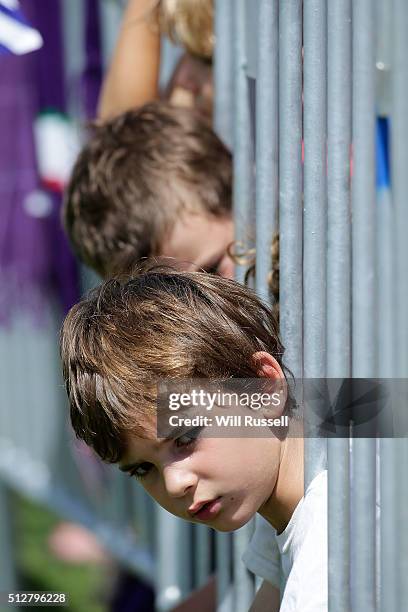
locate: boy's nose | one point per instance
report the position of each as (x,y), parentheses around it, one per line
(178,480)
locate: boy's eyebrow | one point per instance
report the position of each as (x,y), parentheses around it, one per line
(174,433)
(129,466)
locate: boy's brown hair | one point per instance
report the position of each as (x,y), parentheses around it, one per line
(131,332)
(134,177)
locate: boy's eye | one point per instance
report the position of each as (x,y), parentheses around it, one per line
(188,438)
(141,470)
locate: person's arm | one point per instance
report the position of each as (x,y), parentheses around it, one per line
(132,78)
(201,600)
(267,599)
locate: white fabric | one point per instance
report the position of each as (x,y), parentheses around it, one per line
(296,560)
(18,37)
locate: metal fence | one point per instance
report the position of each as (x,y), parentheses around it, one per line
(330,83)
(305,95)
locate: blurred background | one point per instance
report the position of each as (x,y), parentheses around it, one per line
(53,54)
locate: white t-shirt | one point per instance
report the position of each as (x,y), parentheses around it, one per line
(295,561)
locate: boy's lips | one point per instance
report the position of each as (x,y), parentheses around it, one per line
(205,510)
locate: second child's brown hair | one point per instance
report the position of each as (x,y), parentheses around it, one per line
(134,177)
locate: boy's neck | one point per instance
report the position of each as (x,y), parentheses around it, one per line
(289,488)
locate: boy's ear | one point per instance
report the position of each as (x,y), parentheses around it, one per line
(267,366)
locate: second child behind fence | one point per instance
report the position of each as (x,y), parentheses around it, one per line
(132,332)
(153,181)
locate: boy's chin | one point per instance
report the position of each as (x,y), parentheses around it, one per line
(227,524)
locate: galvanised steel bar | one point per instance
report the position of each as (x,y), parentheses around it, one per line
(244,230)
(173,578)
(338,174)
(315,192)
(243,149)
(338,288)
(399,160)
(224,26)
(385,256)
(202,554)
(399,165)
(314,213)
(390,536)
(110,19)
(402,516)
(364,330)
(225,590)
(290,181)
(73,18)
(244,583)
(223,70)
(267,143)
(8,575)
(383,60)
(363,192)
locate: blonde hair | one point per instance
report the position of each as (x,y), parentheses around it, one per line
(190,24)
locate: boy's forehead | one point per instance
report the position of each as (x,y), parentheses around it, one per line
(139,448)
(185,242)
(144,436)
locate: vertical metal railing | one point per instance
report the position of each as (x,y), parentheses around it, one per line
(267,141)
(224,73)
(290,182)
(364,353)
(339,330)
(338,288)
(243,193)
(223,70)
(399,181)
(315,214)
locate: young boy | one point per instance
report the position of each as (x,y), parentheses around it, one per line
(134,332)
(153,181)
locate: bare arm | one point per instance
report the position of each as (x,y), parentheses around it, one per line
(202,600)
(267,599)
(132,78)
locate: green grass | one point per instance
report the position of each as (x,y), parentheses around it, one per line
(39,570)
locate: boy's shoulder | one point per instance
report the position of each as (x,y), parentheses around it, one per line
(296,559)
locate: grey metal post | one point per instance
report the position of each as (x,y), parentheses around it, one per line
(225,591)
(224,26)
(223,70)
(173,560)
(243,152)
(202,557)
(399,153)
(243,219)
(399,158)
(244,586)
(339,288)
(8,578)
(363,301)
(290,177)
(390,536)
(314,214)
(383,56)
(267,151)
